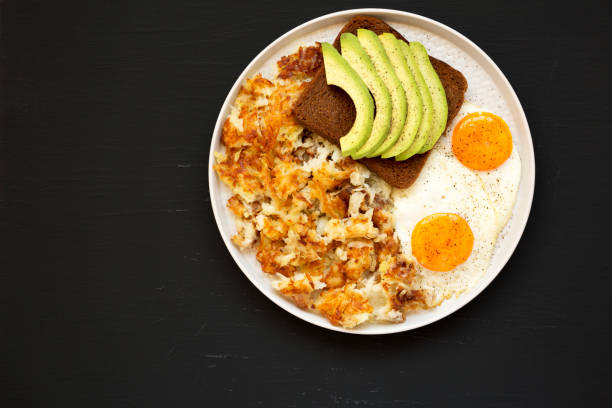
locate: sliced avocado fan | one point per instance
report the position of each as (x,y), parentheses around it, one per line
(374,48)
(438,95)
(338,72)
(425,126)
(359,60)
(413,97)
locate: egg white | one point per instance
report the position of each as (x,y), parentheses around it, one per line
(483,199)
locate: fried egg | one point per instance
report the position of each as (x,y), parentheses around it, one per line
(500,183)
(448,221)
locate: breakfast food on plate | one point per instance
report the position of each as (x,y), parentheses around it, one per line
(482,142)
(414,114)
(436,90)
(340,73)
(354,237)
(445,198)
(426,123)
(390,63)
(321,223)
(329,112)
(358,59)
(375,50)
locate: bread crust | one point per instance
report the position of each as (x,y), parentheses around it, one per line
(329,112)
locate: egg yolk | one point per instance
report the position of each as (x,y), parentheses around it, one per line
(482,141)
(442,241)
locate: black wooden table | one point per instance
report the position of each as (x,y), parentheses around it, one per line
(116,289)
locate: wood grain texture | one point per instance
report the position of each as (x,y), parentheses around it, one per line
(116,289)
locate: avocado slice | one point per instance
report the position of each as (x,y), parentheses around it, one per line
(374,48)
(360,61)
(438,95)
(338,72)
(413,97)
(427,120)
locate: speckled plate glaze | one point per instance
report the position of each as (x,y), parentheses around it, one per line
(487,87)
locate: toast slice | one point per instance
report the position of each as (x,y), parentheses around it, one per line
(329,112)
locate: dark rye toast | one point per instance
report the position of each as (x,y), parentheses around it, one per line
(329,112)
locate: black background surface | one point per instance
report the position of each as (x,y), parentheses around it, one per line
(118,291)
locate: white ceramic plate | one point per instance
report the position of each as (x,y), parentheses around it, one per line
(487,87)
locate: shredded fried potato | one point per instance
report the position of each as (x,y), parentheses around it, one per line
(320,223)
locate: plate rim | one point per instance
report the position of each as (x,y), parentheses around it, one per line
(382,328)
